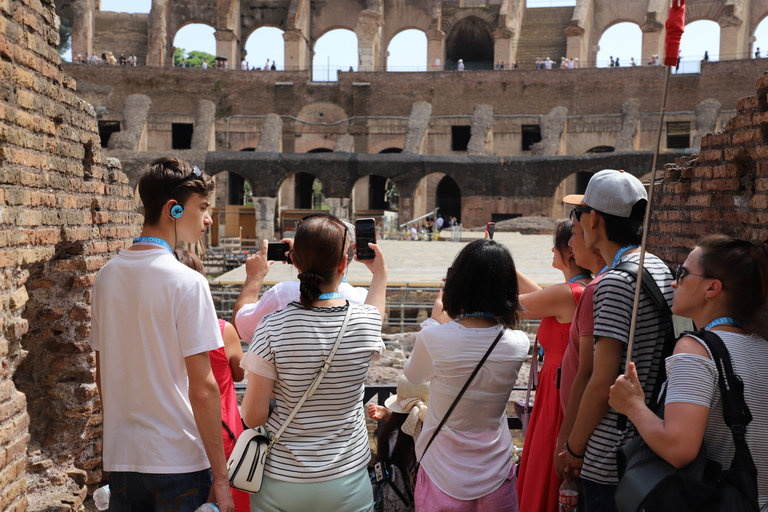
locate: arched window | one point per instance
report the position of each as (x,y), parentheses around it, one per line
(407,51)
(335,50)
(470,40)
(265,43)
(194,43)
(622,42)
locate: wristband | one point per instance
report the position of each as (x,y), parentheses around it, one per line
(568,449)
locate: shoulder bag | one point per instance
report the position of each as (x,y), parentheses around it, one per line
(651,483)
(245,466)
(523,410)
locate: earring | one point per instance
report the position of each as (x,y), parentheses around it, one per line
(706,297)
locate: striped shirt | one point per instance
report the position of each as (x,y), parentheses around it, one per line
(614,296)
(327,439)
(693,379)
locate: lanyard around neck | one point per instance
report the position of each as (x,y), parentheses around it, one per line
(580,276)
(621,252)
(153,240)
(723,320)
(329,295)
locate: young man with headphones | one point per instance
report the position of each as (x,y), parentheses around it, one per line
(153,323)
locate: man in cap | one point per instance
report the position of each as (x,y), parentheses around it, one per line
(611,214)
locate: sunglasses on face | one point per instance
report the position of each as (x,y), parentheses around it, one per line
(578,210)
(682,272)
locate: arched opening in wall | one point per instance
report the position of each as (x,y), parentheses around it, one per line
(407,51)
(759,48)
(699,37)
(265,48)
(65,43)
(374,192)
(600,149)
(194,43)
(449,198)
(336,50)
(575,183)
(320,150)
(391,150)
(233,216)
(622,45)
(470,40)
(298,191)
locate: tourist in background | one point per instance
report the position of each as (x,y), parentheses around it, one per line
(537,484)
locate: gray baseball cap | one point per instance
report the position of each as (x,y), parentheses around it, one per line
(612,192)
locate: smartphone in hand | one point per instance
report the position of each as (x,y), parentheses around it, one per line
(490,228)
(365,232)
(276,251)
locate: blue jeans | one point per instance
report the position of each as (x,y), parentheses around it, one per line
(152,492)
(599,497)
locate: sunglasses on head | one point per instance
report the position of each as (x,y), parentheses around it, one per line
(578,210)
(195,174)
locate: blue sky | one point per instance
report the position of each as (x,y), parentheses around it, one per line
(408,50)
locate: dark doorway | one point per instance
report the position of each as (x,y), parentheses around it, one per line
(106,129)
(235,188)
(377,193)
(303,190)
(531,135)
(471,40)
(460,136)
(181,135)
(391,150)
(601,149)
(449,198)
(320,150)
(679,135)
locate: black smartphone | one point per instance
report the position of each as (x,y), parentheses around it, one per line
(490,227)
(276,251)
(365,232)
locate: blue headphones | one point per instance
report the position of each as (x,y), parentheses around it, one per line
(176,211)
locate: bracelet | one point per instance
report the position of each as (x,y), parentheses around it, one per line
(568,449)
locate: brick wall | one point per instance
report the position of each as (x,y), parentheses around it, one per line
(65,210)
(724,189)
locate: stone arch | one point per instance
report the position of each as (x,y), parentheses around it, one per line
(759,35)
(470,39)
(575,183)
(300,190)
(437,190)
(391,150)
(600,149)
(320,124)
(323,68)
(172,36)
(373,192)
(607,51)
(712,11)
(388,57)
(259,53)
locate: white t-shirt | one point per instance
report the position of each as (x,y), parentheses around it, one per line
(149,312)
(471,456)
(278,297)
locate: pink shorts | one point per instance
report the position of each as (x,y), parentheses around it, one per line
(429,497)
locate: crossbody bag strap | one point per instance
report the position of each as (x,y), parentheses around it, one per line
(466,385)
(316,382)
(533,374)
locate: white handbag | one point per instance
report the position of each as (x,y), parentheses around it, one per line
(245,467)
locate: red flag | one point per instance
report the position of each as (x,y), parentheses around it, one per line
(675,24)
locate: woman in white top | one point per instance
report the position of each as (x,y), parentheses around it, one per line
(469,465)
(722,287)
(320,461)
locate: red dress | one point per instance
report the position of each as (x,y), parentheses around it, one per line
(537,485)
(230,414)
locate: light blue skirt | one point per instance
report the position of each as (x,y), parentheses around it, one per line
(351,493)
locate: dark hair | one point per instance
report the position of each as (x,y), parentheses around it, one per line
(562,235)
(623,230)
(165,179)
(742,266)
(191,260)
(403,454)
(483,278)
(318,249)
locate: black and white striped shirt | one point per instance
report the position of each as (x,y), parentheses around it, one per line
(693,379)
(614,296)
(327,439)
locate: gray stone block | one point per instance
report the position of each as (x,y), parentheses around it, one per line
(552,129)
(707,113)
(205,117)
(134,122)
(416,132)
(630,124)
(481,141)
(271,134)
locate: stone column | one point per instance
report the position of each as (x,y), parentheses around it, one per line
(653,38)
(265,217)
(204,134)
(503,37)
(368,32)
(733,40)
(406,209)
(158,44)
(481,141)
(435,49)
(339,206)
(707,113)
(133,135)
(576,43)
(296,50)
(418,125)
(82,28)
(227,46)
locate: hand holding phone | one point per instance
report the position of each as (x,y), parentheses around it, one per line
(365,232)
(490,228)
(276,251)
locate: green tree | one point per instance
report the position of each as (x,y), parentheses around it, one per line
(65,36)
(178,55)
(195,59)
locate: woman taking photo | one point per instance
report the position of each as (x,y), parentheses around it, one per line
(722,287)
(469,464)
(320,461)
(537,484)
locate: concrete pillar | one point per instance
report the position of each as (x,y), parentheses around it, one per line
(368,32)
(227,45)
(552,133)
(82,28)
(158,53)
(271,134)
(339,206)
(576,43)
(435,50)
(204,135)
(406,209)
(503,39)
(481,141)
(265,217)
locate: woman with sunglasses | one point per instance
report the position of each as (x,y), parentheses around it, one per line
(469,465)
(320,461)
(537,484)
(722,287)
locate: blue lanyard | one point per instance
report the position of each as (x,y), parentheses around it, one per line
(580,276)
(605,269)
(153,240)
(621,252)
(723,320)
(486,314)
(329,295)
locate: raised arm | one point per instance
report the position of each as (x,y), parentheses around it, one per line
(377,292)
(256,269)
